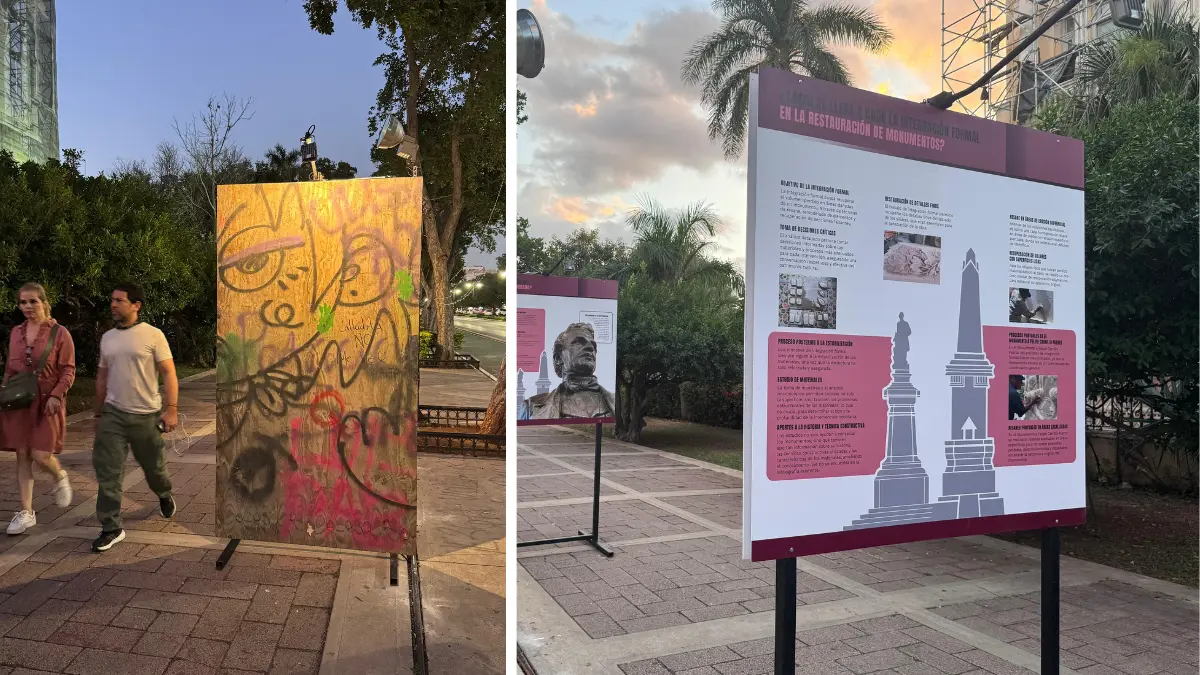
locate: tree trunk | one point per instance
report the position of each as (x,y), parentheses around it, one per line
(493,421)
(443,316)
(634,407)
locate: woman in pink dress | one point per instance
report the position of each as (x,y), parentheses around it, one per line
(36,433)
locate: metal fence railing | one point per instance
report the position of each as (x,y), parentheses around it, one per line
(1133,413)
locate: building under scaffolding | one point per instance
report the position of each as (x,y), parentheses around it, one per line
(976,39)
(28,80)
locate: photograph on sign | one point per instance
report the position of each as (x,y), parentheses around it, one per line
(317,354)
(889,395)
(566,351)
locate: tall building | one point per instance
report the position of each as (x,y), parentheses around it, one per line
(985,30)
(28,80)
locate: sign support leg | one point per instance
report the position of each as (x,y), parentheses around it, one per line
(592,537)
(1050,601)
(223,559)
(785,616)
(416,615)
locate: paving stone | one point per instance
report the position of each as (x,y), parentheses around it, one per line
(696,659)
(104,662)
(599,625)
(217,588)
(876,661)
(31,596)
(305,628)
(832,633)
(653,622)
(205,652)
(270,604)
(179,667)
(221,619)
(45,620)
(648,667)
(156,580)
(716,612)
(85,584)
(301,564)
(315,590)
(159,644)
(264,575)
(174,623)
(877,641)
(169,602)
(132,617)
(993,664)
(32,654)
(295,662)
(937,639)
(254,646)
(939,659)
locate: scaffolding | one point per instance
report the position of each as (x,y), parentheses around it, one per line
(28,80)
(977,40)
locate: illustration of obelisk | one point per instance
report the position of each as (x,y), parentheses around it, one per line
(520,388)
(901,484)
(969,483)
(543,381)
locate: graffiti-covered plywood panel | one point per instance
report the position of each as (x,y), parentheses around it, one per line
(317,347)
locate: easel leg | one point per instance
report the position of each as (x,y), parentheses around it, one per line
(785,616)
(417,616)
(223,559)
(394,569)
(594,538)
(1050,601)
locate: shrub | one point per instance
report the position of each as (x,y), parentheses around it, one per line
(714,405)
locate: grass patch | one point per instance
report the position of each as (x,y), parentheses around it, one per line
(1140,531)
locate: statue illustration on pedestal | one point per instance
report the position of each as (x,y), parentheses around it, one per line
(580,394)
(901,484)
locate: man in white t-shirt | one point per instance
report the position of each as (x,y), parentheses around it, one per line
(130,413)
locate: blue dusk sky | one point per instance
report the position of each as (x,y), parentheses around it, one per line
(128,69)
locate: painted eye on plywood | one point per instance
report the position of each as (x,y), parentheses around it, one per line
(253,259)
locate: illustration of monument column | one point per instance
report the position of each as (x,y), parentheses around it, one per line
(520,389)
(901,484)
(969,483)
(543,382)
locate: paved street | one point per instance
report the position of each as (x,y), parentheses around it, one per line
(678,598)
(156,604)
(492,328)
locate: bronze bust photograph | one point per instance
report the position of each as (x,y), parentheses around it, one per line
(579,395)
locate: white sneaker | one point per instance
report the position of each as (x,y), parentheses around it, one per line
(63,492)
(23,520)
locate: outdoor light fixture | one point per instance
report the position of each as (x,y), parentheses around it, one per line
(1128,14)
(308,151)
(393,137)
(531,49)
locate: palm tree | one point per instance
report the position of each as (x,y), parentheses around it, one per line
(785,34)
(670,245)
(1161,58)
(281,165)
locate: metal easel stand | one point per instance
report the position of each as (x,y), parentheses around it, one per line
(785,609)
(592,537)
(415,609)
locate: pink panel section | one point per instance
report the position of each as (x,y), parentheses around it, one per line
(1032,351)
(826,416)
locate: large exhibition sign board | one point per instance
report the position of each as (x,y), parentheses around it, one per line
(317,351)
(566,350)
(914,323)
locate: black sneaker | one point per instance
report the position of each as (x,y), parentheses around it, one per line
(166,506)
(106,540)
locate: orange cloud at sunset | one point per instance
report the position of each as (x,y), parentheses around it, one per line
(577,211)
(917,29)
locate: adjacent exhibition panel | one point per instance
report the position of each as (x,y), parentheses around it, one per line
(566,350)
(914,323)
(317,350)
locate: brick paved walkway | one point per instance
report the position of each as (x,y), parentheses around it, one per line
(678,599)
(155,603)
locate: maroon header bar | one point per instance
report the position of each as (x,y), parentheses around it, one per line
(807,106)
(567,287)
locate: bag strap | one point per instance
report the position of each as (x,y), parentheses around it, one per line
(46,351)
